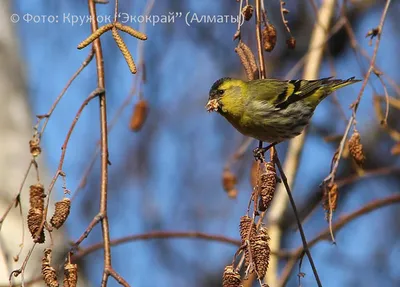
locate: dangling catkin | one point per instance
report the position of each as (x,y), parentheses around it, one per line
(231,278)
(48,273)
(261,252)
(61,212)
(356,148)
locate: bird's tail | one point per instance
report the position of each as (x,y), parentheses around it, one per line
(328,86)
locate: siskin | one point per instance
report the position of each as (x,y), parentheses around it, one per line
(270,110)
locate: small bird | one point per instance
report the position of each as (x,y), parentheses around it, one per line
(270,110)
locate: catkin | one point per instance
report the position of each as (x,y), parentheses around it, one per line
(269,37)
(247,12)
(70,275)
(231,277)
(139,115)
(124,50)
(130,31)
(356,148)
(268,186)
(261,252)
(248,60)
(330,198)
(61,212)
(95,35)
(35,213)
(248,231)
(229,181)
(48,272)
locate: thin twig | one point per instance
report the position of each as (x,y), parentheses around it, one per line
(325,234)
(103,147)
(301,231)
(16,198)
(59,171)
(159,235)
(331,176)
(21,271)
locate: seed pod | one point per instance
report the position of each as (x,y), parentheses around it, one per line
(70,275)
(34,219)
(291,43)
(139,115)
(35,213)
(48,273)
(61,212)
(36,196)
(231,278)
(34,146)
(268,186)
(269,37)
(247,12)
(356,148)
(330,198)
(261,252)
(246,227)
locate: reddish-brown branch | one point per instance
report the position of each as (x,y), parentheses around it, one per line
(368,173)
(341,222)
(91,225)
(158,235)
(103,149)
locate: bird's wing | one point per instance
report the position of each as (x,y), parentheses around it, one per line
(284,93)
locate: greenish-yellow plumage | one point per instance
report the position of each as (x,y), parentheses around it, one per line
(270,110)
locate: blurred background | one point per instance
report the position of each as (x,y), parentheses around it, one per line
(168,175)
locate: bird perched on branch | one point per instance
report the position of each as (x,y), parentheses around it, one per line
(270,110)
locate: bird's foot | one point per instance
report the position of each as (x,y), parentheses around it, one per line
(259,153)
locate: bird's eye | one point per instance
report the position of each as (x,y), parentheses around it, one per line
(221,92)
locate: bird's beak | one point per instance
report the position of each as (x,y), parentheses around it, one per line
(212,105)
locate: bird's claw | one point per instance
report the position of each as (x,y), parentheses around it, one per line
(259,153)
